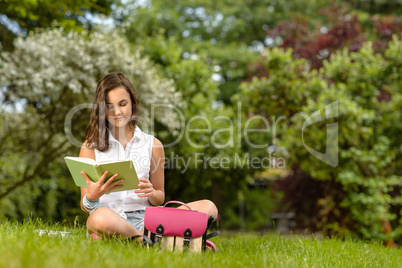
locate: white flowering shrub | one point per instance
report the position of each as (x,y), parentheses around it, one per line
(47,65)
(48,74)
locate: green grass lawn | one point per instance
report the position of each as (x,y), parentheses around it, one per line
(21,246)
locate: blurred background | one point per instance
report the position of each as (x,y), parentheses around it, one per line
(226,66)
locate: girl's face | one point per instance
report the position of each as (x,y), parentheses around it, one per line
(118,107)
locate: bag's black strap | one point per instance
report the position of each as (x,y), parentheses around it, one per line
(211,219)
(146,239)
(213,234)
(146,232)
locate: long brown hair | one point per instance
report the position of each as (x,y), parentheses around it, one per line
(97,132)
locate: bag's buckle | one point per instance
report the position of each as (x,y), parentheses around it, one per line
(158,239)
(159,232)
(187,235)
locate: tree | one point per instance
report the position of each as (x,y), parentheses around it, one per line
(359,193)
(206,126)
(339,29)
(48,76)
(227,34)
(21,17)
(377,6)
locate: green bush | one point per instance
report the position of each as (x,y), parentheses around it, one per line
(359,94)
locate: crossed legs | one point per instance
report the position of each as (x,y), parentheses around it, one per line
(107,223)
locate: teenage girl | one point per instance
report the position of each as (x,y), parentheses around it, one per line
(113,134)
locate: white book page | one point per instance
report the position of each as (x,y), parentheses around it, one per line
(110,161)
(82,159)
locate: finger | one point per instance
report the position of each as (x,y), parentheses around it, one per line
(148,194)
(144,191)
(87,179)
(138,191)
(111,185)
(143,195)
(115,183)
(113,188)
(111,180)
(103,177)
(144,185)
(116,187)
(143,180)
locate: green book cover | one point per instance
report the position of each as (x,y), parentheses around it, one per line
(94,170)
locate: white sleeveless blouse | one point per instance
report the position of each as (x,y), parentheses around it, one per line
(139,150)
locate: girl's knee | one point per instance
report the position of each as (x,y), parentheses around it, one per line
(211,207)
(206,206)
(100,220)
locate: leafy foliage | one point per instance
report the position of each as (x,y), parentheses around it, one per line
(377,6)
(209,51)
(25,16)
(358,193)
(44,79)
(226,35)
(339,29)
(207,132)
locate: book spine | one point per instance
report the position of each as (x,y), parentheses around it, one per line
(98,171)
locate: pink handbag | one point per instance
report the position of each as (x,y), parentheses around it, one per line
(178,229)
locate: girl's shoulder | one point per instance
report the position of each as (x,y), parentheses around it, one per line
(157,142)
(157,148)
(87,150)
(87,145)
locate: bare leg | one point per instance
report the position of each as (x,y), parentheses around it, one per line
(106,222)
(204,205)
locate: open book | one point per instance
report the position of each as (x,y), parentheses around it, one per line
(94,170)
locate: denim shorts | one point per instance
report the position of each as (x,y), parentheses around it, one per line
(136,219)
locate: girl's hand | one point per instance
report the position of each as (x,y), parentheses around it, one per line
(99,188)
(146,188)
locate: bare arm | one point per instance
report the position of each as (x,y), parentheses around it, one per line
(90,153)
(154,189)
(95,190)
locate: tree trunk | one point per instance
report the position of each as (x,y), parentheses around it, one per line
(387,230)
